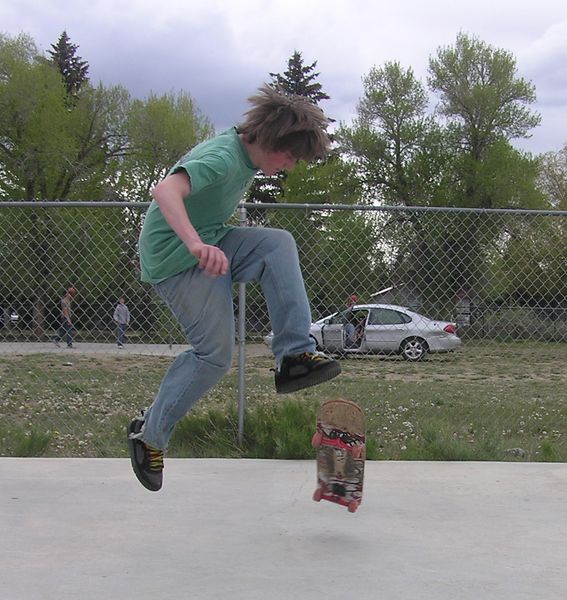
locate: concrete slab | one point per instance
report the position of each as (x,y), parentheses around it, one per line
(248,529)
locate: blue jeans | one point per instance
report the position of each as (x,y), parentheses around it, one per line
(120,333)
(203,306)
(65,331)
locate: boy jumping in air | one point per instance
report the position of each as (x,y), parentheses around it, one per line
(192,258)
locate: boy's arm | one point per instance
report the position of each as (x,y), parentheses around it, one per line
(169,194)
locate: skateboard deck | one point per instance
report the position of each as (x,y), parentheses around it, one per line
(341,450)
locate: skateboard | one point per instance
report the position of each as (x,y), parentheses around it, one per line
(341,451)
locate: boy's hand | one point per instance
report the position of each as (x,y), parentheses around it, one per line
(211,259)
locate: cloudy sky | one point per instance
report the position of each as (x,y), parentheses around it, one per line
(221,50)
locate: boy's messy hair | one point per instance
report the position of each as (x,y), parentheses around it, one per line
(284,122)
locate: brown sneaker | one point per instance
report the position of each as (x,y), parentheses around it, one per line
(304,370)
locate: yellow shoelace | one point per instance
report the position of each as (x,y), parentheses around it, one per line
(156,459)
(310,356)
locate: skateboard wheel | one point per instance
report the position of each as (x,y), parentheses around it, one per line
(353,505)
(357,451)
(317,439)
(317,495)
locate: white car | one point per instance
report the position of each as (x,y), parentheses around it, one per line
(382,328)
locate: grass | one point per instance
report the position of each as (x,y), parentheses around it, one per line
(496,402)
(279,430)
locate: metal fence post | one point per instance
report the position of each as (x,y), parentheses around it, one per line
(241,343)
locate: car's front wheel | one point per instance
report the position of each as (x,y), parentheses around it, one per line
(414,349)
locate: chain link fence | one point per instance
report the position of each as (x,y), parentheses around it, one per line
(478,290)
(497,275)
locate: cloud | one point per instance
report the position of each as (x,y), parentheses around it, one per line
(221,51)
(545,61)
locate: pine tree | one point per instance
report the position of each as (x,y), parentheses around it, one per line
(73,68)
(298,79)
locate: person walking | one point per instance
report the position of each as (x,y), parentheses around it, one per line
(66,329)
(192,257)
(122,320)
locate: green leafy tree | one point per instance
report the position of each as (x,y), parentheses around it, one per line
(401,156)
(32,111)
(529,270)
(50,150)
(160,129)
(484,102)
(333,181)
(397,149)
(485,105)
(507,177)
(552,178)
(73,68)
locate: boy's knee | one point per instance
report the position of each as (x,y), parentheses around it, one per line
(225,363)
(284,239)
(220,359)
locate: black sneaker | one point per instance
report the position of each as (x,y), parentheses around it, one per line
(304,370)
(147,462)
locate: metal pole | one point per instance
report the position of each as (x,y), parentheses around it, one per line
(241,343)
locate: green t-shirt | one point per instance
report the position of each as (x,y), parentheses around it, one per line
(220,171)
